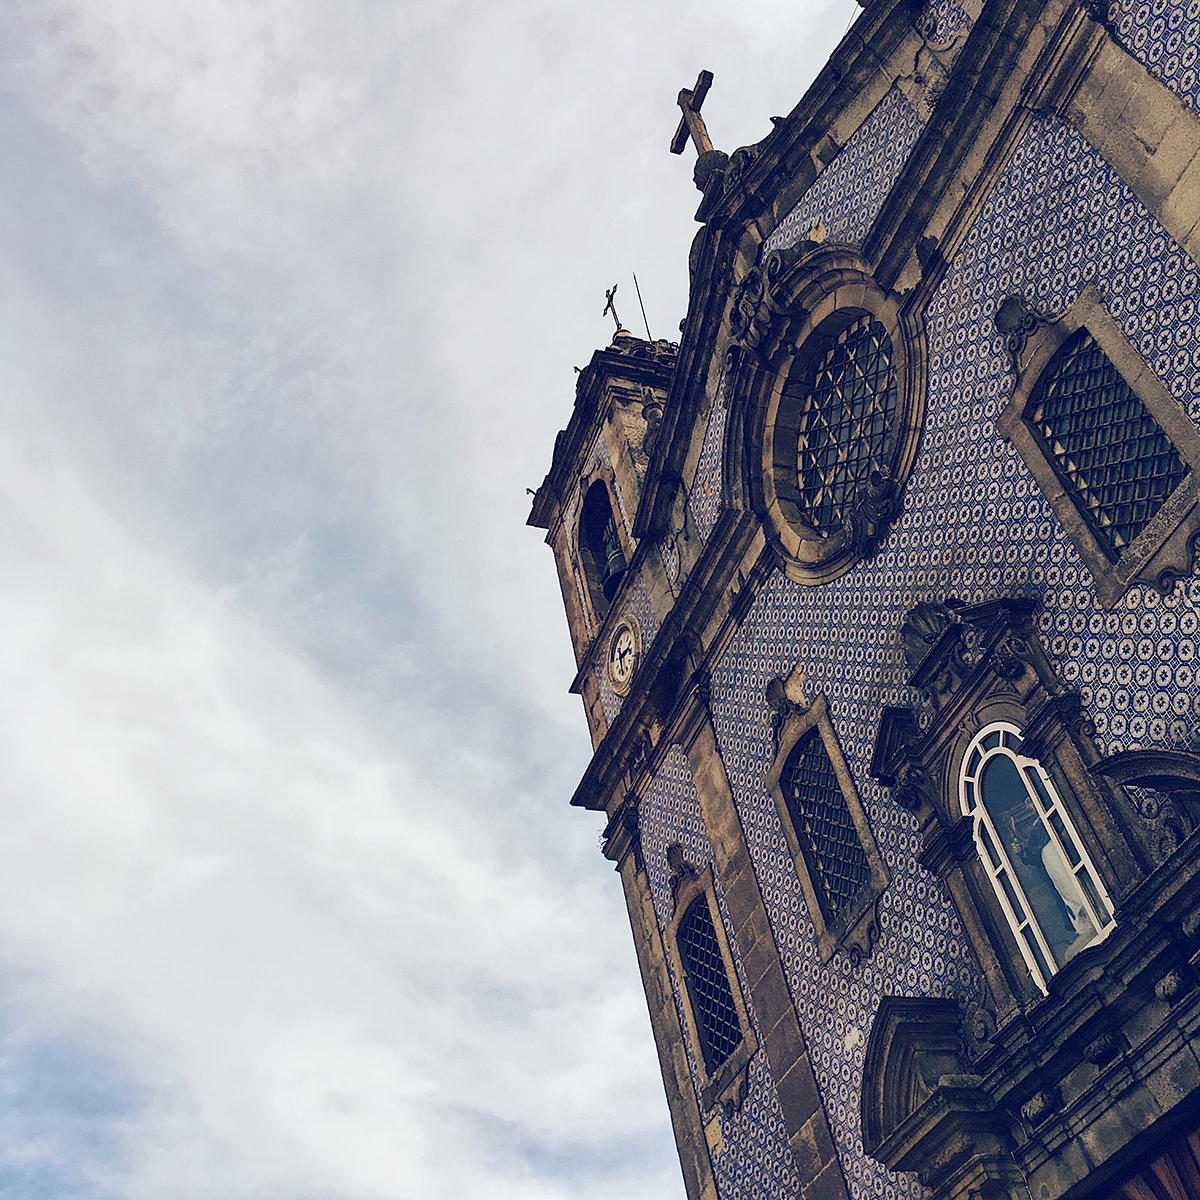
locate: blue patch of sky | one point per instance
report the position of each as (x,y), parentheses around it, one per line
(574,1161)
(62,1107)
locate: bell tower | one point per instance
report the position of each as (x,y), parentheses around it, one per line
(589,499)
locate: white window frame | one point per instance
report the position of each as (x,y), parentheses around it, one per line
(993,853)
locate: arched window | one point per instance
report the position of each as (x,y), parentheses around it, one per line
(600,547)
(824,828)
(1045,883)
(718,1029)
(712,1007)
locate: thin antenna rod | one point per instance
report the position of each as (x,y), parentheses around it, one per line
(643,308)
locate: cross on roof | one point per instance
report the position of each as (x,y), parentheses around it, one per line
(692,124)
(611,306)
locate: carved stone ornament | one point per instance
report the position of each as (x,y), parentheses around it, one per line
(1038,1107)
(709,170)
(681,870)
(875,507)
(911,789)
(652,414)
(754,305)
(1105,1048)
(1171,986)
(632,346)
(785,698)
(1009,657)
(739,162)
(1175,776)
(734,1095)
(938,672)
(979,1030)
(1016,321)
(923,625)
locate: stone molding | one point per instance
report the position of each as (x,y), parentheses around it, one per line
(1165,550)
(786,314)
(686,1119)
(726,1084)
(855,931)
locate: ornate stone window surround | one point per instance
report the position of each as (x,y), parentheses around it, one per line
(983,666)
(1003,739)
(1164,551)
(787,314)
(856,928)
(727,1083)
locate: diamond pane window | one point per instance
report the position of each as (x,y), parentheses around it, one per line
(712,998)
(817,805)
(1119,463)
(847,421)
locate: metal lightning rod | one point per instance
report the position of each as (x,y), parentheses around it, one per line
(643,308)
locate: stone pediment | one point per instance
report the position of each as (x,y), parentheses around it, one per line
(915,1042)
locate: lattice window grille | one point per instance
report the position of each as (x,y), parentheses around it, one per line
(1110,450)
(847,422)
(713,1006)
(823,824)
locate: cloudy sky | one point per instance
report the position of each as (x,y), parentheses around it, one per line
(292,905)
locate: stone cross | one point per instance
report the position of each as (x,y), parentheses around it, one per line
(611,306)
(692,124)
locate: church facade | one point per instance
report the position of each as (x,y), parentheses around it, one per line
(882,589)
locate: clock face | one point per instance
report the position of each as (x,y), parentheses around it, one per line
(622,656)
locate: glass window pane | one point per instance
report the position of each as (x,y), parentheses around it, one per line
(1013,899)
(992,856)
(824,827)
(1036,951)
(1103,914)
(1035,778)
(712,997)
(1121,478)
(1068,842)
(1045,876)
(845,421)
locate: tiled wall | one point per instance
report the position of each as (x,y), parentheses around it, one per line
(847,647)
(849,193)
(704,500)
(755,1160)
(974,526)
(1165,36)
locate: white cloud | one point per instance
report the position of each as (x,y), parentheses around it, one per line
(313,957)
(290,293)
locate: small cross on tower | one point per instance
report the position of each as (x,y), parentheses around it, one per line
(611,306)
(692,123)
